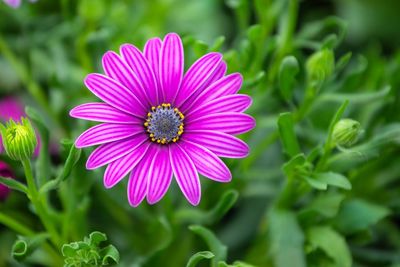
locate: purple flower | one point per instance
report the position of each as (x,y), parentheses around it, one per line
(15,3)
(158,122)
(5,172)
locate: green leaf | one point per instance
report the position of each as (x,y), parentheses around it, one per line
(25,246)
(95,238)
(343,61)
(196,258)
(287,134)
(325,204)
(332,243)
(220,250)
(333,179)
(110,255)
(335,119)
(315,183)
(357,98)
(289,167)
(357,215)
(287,239)
(254,33)
(287,76)
(72,159)
(13,184)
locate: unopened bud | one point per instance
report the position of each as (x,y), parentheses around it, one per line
(346,132)
(19,139)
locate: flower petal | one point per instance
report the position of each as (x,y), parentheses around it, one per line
(185,174)
(218,73)
(110,152)
(197,76)
(115,94)
(228,85)
(171,66)
(118,169)
(206,162)
(137,185)
(119,70)
(102,112)
(222,144)
(152,53)
(106,133)
(229,103)
(160,176)
(135,59)
(13,3)
(229,122)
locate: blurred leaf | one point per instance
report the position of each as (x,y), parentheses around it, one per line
(194,215)
(333,179)
(332,243)
(287,76)
(287,239)
(343,61)
(357,98)
(358,214)
(289,167)
(288,135)
(198,257)
(13,184)
(72,159)
(109,255)
(325,204)
(254,33)
(220,250)
(315,183)
(24,246)
(218,43)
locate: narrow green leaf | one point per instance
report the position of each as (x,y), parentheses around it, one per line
(335,119)
(196,258)
(332,243)
(218,43)
(343,61)
(287,239)
(220,250)
(334,179)
(288,135)
(326,204)
(72,159)
(13,184)
(357,98)
(287,76)
(358,214)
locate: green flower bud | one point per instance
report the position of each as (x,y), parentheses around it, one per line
(320,66)
(346,132)
(19,139)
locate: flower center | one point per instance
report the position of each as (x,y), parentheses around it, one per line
(164,124)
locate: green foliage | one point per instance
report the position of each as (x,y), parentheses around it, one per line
(90,252)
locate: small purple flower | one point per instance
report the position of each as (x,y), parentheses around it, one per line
(158,122)
(15,3)
(5,172)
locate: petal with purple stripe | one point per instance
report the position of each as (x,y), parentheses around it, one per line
(115,94)
(118,169)
(106,133)
(228,85)
(218,73)
(135,59)
(171,66)
(118,69)
(197,76)
(102,112)
(229,122)
(151,52)
(161,175)
(110,152)
(186,174)
(229,103)
(222,144)
(206,162)
(137,185)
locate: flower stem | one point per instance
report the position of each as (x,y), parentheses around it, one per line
(37,202)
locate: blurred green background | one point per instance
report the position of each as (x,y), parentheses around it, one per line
(48,47)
